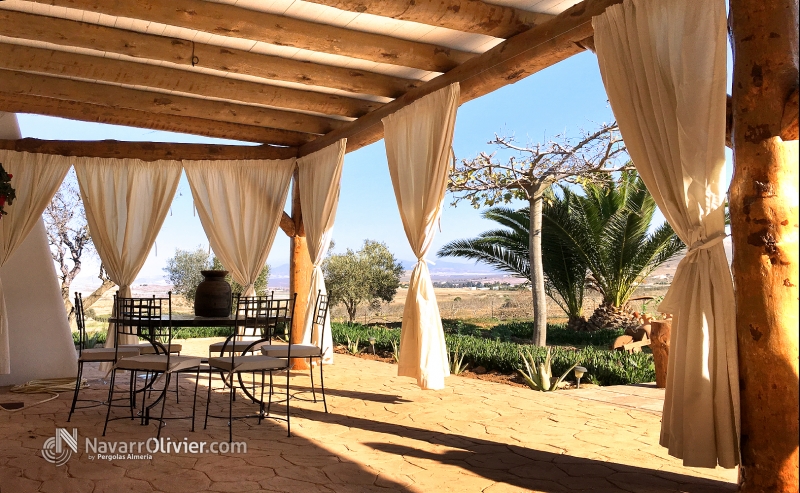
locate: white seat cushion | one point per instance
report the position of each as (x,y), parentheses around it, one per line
(236,347)
(147,348)
(298,350)
(107,354)
(158,362)
(255,362)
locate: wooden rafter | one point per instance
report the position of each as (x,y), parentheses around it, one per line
(506,63)
(168,104)
(462,15)
(17,103)
(67,32)
(60,63)
(237,22)
(147,151)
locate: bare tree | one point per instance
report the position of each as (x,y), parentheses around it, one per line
(70,241)
(526,175)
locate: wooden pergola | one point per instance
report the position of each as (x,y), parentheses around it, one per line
(296,76)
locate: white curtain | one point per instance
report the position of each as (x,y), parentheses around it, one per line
(663,65)
(240,205)
(126,201)
(319,177)
(36,178)
(418,139)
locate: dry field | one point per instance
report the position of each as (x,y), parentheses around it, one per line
(454,303)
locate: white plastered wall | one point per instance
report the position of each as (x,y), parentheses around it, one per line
(39,335)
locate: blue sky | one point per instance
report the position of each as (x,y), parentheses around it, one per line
(562,99)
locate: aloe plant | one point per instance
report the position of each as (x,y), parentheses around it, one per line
(456,361)
(539,376)
(352,346)
(396,351)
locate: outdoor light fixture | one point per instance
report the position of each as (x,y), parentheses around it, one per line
(579,372)
(372,343)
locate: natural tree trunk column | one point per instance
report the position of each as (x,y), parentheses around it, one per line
(764,227)
(537,271)
(299,274)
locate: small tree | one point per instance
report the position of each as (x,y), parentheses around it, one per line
(485,181)
(370,275)
(183,272)
(70,241)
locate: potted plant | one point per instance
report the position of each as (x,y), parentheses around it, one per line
(7,193)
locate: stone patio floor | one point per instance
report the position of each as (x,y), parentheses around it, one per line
(382,434)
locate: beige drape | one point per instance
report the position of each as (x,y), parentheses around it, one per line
(663,65)
(35,181)
(418,139)
(240,205)
(126,201)
(319,176)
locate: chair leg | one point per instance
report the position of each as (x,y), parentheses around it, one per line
(163,403)
(194,403)
(288,397)
(177,389)
(322,384)
(77,389)
(132,391)
(208,397)
(261,401)
(311,372)
(110,399)
(230,412)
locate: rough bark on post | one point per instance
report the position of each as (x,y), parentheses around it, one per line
(299,273)
(537,269)
(764,227)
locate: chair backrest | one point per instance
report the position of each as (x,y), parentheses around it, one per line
(80,320)
(264,317)
(146,318)
(320,314)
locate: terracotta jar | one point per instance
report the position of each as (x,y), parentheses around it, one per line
(213,296)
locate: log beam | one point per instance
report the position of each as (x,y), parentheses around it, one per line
(85,112)
(237,22)
(147,151)
(64,64)
(472,16)
(506,63)
(299,272)
(67,32)
(764,230)
(113,96)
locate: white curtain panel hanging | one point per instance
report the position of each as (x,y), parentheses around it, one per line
(36,178)
(240,204)
(319,182)
(663,66)
(126,202)
(418,139)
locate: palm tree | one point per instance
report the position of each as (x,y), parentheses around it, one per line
(508,251)
(608,227)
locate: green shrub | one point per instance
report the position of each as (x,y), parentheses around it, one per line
(604,366)
(558,335)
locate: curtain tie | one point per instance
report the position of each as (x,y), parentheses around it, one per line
(707,243)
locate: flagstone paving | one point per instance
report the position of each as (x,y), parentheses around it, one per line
(382,434)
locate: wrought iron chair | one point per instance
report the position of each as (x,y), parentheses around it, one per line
(246,335)
(142,317)
(267,318)
(91,355)
(311,352)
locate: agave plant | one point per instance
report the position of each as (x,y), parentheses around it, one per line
(396,351)
(539,375)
